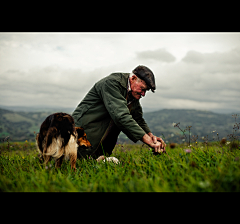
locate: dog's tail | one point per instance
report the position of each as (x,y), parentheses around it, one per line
(37,137)
(38,143)
(56,149)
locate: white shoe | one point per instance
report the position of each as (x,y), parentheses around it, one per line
(112,159)
(109,159)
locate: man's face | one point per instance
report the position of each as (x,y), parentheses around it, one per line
(138,87)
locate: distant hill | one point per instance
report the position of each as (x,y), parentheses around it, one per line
(203,123)
(20,126)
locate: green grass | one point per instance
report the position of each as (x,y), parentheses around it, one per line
(205,169)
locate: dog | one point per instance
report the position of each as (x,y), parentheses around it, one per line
(58,138)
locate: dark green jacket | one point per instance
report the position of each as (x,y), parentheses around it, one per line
(105,101)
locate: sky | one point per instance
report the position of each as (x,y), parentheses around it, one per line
(192,70)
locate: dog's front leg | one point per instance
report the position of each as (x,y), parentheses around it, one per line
(59,162)
(73,159)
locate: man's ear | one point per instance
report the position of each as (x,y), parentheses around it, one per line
(133,78)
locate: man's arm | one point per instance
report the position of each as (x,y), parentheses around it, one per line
(152,141)
(116,105)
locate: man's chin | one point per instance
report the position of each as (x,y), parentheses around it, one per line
(138,97)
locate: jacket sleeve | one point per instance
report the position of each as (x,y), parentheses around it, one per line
(116,105)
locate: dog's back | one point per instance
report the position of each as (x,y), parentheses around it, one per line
(58,136)
(54,125)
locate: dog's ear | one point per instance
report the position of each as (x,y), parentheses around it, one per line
(80,131)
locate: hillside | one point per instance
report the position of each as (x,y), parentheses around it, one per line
(202,122)
(20,126)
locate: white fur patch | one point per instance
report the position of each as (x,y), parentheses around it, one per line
(56,150)
(71,147)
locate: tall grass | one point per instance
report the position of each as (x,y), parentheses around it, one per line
(199,169)
(190,167)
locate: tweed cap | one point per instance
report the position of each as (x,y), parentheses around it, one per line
(145,74)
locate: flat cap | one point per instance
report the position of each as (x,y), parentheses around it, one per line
(145,74)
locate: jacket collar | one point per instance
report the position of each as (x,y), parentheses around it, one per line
(124,80)
(126,84)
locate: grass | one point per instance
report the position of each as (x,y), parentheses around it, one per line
(204,168)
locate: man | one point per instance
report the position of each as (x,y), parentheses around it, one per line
(112,106)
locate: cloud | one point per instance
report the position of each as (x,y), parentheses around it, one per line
(157,55)
(51,69)
(50,85)
(231,57)
(194,57)
(179,85)
(200,81)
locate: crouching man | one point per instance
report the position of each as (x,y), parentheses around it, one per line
(113,105)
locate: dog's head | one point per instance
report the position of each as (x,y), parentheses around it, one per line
(64,117)
(82,138)
(62,120)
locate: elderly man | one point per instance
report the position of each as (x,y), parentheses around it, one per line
(112,106)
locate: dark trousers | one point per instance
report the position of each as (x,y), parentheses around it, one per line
(105,148)
(108,143)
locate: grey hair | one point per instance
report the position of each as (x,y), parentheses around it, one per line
(131,74)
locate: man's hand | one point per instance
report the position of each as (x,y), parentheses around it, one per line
(154,142)
(155,139)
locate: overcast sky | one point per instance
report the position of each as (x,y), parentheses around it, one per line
(192,70)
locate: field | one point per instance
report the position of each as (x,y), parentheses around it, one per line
(201,167)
